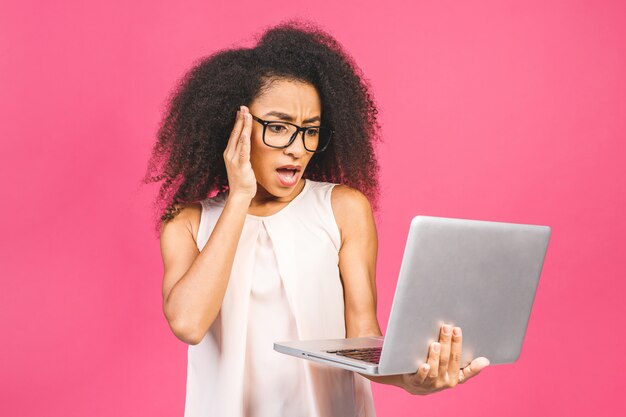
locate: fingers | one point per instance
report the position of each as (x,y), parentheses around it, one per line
(242,148)
(455,355)
(234,134)
(433,361)
(445,338)
(443,367)
(473,369)
(421,374)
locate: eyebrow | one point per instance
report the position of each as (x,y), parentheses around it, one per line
(289,118)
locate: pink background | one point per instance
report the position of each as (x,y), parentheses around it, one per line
(494,110)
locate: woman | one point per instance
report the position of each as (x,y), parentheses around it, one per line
(285,248)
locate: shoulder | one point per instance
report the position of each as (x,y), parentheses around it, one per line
(351,208)
(345,198)
(188,218)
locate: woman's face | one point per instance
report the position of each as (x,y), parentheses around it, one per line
(288,101)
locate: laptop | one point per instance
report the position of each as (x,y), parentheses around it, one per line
(479,275)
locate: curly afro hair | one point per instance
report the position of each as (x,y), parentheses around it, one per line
(188,153)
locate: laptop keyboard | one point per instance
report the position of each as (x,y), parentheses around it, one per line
(371,355)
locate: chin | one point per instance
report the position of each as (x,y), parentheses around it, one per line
(282,191)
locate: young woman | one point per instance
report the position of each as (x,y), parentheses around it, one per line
(268,231)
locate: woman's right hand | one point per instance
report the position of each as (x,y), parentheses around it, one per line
(241,179)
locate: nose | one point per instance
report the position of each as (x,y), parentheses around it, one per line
(296,148)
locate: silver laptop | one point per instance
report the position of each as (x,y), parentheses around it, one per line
(479,275)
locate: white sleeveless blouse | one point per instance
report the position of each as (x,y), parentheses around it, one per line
(284,285)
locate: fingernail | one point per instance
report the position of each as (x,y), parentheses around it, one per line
(241,108)
(426,367)
(436,347)
(457,331)
(447,329)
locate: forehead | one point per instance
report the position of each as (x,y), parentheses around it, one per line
(290,96)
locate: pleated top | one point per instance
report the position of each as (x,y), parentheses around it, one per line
(284,285)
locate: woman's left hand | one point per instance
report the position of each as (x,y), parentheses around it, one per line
(442,369)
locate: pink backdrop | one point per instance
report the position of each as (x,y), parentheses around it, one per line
(495,110)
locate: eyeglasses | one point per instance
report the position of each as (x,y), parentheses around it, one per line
(282,134)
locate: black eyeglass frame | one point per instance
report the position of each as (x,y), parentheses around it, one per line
(293,137)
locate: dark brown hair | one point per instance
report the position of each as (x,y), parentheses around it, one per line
(188,154)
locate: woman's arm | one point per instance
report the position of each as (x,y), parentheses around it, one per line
(357,260)
(194,284)
(357,265)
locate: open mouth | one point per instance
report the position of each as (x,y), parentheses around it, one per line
(287,173)
(288,176)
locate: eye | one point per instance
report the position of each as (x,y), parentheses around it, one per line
(313,131)
(276,128)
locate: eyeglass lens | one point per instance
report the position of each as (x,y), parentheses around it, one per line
(279,134)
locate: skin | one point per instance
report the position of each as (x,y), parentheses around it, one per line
(194,282)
